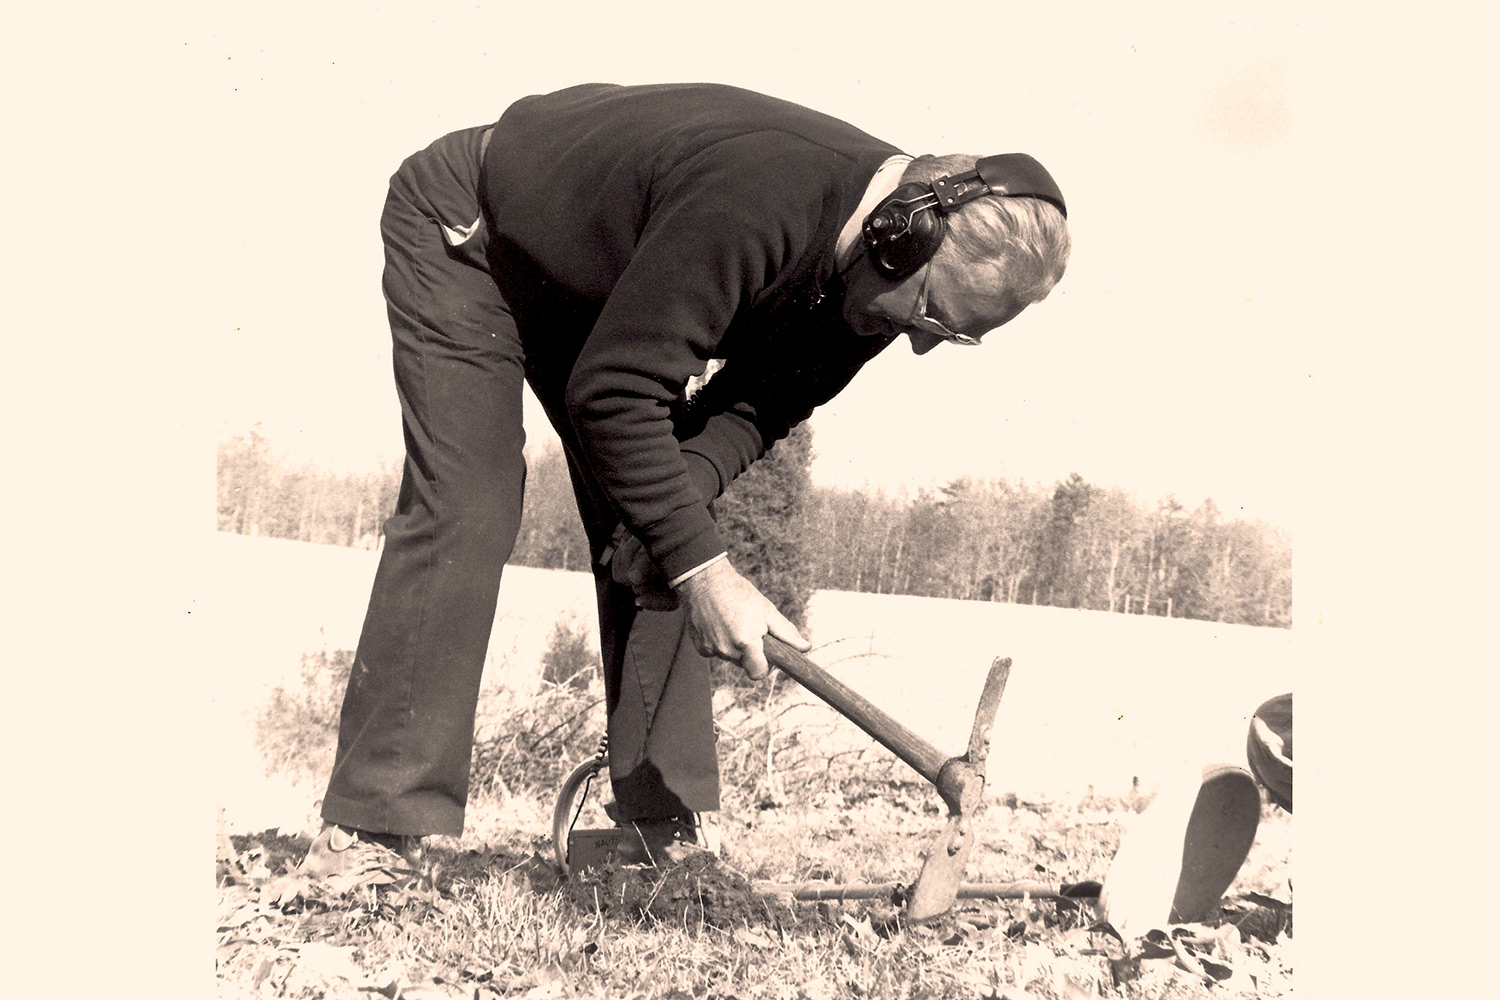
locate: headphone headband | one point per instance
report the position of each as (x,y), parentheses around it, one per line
(1009,175)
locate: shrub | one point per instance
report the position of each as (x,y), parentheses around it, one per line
(298,730)
(572,656)
(528,743)
(533,742)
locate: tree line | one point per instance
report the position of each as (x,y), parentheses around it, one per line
(1073,544)
(261,493)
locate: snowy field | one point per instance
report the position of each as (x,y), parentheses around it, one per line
(1094,699)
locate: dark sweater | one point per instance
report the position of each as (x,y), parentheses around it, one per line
(637,232)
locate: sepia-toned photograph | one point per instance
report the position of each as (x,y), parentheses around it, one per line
(796,501)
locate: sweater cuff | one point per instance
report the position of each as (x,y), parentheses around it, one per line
(685,539)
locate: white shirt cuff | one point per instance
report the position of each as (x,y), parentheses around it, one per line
(698,569)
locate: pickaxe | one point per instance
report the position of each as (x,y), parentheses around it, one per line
(959,780)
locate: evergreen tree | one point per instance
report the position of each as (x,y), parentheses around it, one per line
(1061,573)
(551,534)
(761,519)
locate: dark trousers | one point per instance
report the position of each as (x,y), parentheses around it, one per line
(407,726)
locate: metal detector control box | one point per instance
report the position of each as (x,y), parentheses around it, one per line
(592,848)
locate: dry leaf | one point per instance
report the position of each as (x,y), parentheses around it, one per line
(284,890)
(1071,987)
(1016,993)
(1263,923)
(330,962)
(1078,940)
(753,938)
(244,915)
(263,970)
(1260,899)
(344,884)
(431,990)
(858,936)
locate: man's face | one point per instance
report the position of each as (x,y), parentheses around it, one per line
(875,306)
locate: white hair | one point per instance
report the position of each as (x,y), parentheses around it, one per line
(1013,246)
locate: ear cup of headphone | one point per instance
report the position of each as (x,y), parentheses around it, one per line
(900,239)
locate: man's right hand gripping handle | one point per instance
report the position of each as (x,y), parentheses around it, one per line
(731,618)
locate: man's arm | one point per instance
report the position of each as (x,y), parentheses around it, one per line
(721,227)
(707,250)
(803,361)
(725,434)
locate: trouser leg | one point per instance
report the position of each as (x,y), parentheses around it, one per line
(407,725)
(662,754)
(658,691)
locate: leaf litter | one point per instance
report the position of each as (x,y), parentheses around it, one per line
(1018,950)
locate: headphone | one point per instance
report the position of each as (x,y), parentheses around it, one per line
(906,229)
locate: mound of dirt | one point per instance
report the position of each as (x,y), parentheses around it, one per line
(698,888)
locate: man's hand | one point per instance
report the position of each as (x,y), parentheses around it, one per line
(630,566)
(730,618)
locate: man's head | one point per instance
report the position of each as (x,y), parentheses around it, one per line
(1000,255)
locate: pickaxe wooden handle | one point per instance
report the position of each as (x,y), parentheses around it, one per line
(924,758)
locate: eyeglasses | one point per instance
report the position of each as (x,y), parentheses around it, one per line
(927,324)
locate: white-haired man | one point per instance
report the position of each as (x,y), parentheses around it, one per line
(604,244)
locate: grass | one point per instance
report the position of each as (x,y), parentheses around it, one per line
(490,917)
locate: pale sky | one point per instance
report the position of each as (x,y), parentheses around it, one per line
(1174,357)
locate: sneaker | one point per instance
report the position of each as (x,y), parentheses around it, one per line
(661,841)
(345,858)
